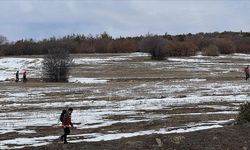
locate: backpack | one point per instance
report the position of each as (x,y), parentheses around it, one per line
(62,115)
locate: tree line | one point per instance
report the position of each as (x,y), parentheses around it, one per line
(159,46)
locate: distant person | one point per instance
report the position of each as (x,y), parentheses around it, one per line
(66,123)
(24,76)
(17,76)
(246,70)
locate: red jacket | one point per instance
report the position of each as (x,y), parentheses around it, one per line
(67,120)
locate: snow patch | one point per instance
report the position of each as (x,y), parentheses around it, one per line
(95,137)
(26,131)
(9,66)
(24,142)
(87,80)
(187,60)
(197,80)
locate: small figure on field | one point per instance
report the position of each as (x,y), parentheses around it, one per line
(24,76)
(17,76)
(246,70)
(65,118)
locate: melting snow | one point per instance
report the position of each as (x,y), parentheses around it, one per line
(196,91)
(10,65)
(87,80)
(95,137)
(187,60)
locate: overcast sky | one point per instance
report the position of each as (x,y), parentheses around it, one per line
(40,19)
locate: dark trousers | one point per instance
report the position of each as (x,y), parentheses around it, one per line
(24,79)
(247,76)
(64,136)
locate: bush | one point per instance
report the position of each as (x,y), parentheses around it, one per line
(242,45)
(244,113)
(243,48)
(56,65)
(177,49)
(211,50)
(225,46)
(203,43)
(154,45)
(85,48)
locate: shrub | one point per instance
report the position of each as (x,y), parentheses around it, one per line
(154,45)
(123,46)
(244,113)
(56,65)
(211,50)
(225,46)
(85,48)
(176,48)
(243,48)
(242,45)
(203,43)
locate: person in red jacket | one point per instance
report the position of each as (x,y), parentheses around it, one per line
(246,70)
(66,123)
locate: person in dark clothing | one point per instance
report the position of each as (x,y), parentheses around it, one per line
(17,76)
(24,76)
(66,123)
(246,70)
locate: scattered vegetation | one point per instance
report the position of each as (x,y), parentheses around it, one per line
(177,48)
(211,50)
(244,113)
(154,45)
(160,46)
(225,46)
(56,65)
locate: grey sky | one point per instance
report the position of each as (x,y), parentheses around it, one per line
(39,19)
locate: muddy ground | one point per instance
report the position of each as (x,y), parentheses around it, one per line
(230,137)
(178,103)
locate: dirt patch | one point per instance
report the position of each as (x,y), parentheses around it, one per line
(229,137)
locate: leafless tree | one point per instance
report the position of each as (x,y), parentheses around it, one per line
(155,46)
(225,46)
(56,65)
(3,39)
(211,50)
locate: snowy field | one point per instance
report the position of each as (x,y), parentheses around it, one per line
(120,95)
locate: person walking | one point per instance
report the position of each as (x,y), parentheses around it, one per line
(17,76)
(66,123)
(24,76)
(247,71)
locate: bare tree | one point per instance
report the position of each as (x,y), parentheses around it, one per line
(211,50)
(154,45)
(3,39)
(56,65)
(225,46)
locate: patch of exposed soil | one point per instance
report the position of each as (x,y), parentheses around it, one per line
(230,137)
